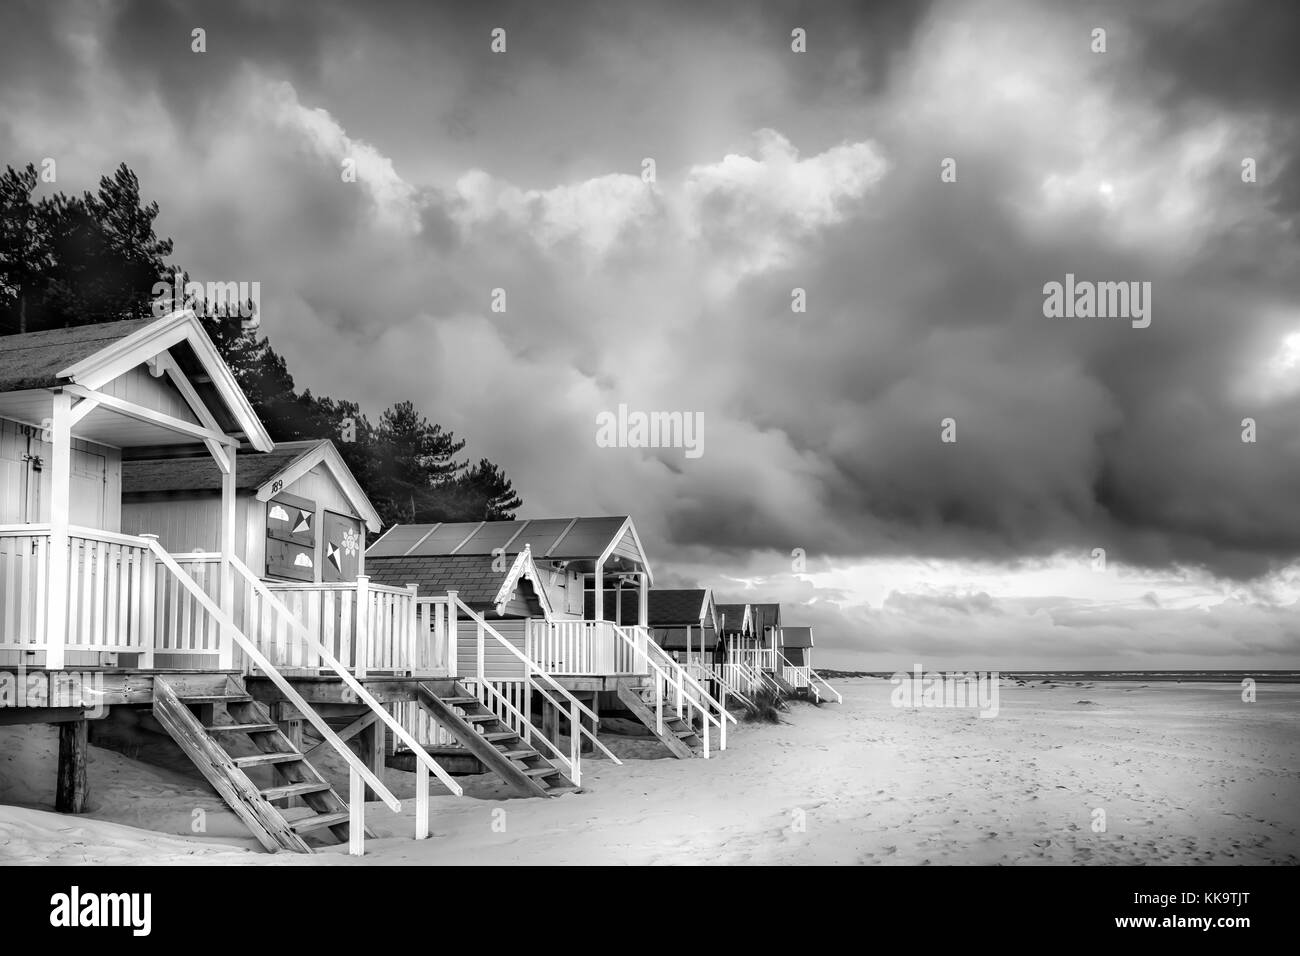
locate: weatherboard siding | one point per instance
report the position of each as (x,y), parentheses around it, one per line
(25,490)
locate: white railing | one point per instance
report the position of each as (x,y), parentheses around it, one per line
(366,627)
(425,764)
(109,605)
(583,647)
(24,562)
(814,679)
(505,697)
(359,774)
(674,685)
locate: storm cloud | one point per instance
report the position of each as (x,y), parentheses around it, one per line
(775,171)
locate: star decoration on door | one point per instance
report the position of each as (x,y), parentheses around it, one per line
(304,522)
(334,555)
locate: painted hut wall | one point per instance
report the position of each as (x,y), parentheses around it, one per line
(138,386)
(499,663)
(192,522)
(25,491)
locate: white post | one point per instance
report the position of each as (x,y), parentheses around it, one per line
(226,653)
(599,601)
(56,616)
(357,814)
(421,800)
(643,608)
(575,743)
(361,639)
(479,638)
(412,640)
(452,643)
(148,579)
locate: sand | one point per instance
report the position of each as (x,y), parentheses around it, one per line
(1185,773)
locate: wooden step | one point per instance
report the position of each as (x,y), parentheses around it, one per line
(293,790)
(459,701)
(258,760)
(307,824)
(199,699)
(524,780)
(241,728)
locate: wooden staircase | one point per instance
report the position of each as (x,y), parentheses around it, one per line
(293,776)
(787,689)
(486,736)
(678,734)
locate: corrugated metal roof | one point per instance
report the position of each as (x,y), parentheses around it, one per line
(587,538)
(34,359)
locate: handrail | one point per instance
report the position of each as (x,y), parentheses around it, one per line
(720,722)
(687,675)
(529,667)
(22,530)
(839,698)
(249,648)
(720,674)
(353,684)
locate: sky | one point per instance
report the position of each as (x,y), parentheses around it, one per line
(1098,507)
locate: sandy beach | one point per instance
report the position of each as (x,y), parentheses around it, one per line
(1185,774)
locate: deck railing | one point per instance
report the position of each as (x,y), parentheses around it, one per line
(673,684)
(509,698)
(365,626)
(585,647)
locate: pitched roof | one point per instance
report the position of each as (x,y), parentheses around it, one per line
(734,615)
(34,359)
(797,636)
(252,470)
(91,356)
(765,616)
(664,606)
(554,539)
(674,638)
(477,578)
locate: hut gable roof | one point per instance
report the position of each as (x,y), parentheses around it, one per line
(254,473)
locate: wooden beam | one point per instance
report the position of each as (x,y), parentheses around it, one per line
(150,416)
(350,731)
(12,716)
(70,795)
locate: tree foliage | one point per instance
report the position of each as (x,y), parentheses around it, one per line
(76,260)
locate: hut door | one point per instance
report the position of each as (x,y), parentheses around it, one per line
(342,548)
(291,538)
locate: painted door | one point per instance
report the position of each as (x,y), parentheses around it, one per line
(291,538)
(25,480)
(342,544)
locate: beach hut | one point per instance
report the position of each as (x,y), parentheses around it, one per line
(300,515)
(796,665)
(99,618)
(592,639)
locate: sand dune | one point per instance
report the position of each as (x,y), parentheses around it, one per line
(1185,774)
